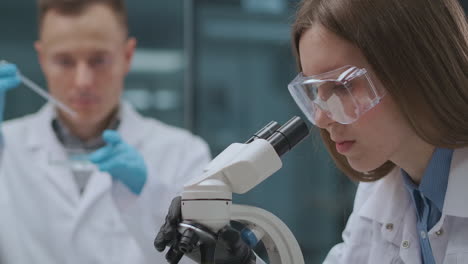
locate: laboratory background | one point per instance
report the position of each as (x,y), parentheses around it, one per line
(219,68)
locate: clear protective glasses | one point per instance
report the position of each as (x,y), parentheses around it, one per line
(343,94)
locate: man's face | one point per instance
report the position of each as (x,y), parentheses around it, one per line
(85,59)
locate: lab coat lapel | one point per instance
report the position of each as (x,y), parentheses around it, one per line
(131,128)
(456,195)
(49,154)
(387,205)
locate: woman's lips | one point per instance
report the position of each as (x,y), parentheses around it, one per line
(344,146)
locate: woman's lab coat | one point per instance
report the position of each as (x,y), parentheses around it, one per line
(45,220)
(382,227)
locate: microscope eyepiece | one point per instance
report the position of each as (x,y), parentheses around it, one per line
(265,132)
(288,135)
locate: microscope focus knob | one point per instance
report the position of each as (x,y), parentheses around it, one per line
(188,241)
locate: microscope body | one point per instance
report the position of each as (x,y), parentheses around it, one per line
(207,201)
(236,170)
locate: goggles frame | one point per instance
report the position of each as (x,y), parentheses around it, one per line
(304,90)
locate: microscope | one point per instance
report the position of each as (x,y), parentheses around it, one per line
(207,206)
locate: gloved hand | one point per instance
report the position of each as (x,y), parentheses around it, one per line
(121,161)
(230,248)
(9,78)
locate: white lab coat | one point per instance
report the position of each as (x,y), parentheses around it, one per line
(45,220)
(382,227)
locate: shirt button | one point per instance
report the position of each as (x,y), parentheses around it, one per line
(389,227)
(405,244)
(440,232)
(423,235)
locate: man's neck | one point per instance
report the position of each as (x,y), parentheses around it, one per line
(85,132)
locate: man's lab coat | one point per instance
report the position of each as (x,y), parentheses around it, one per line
(44,219)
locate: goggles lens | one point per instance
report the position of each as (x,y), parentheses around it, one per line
(343,94)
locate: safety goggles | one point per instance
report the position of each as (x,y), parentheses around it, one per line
(343,94)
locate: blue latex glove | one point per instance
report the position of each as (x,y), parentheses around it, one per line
(9,78)
(121,161)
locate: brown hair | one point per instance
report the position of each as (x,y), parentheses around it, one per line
(418,50)
(76,7)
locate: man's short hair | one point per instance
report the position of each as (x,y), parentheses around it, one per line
(76,7)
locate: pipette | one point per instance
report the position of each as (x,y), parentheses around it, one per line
(37,89)
(47,96)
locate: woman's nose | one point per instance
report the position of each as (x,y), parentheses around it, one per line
(322,120)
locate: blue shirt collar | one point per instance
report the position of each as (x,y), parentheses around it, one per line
(435,178)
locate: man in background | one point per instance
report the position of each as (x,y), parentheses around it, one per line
(56,208)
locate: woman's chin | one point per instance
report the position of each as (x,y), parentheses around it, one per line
(363,166)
